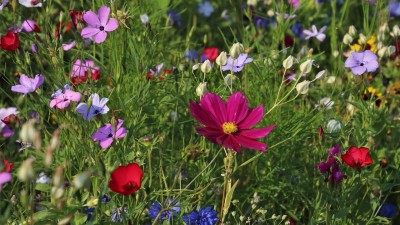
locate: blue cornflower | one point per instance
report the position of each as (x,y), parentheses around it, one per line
(191,54)
(118,214)
(205,8)
(394,8)
(388,210)
(298,30)
(174,17)
(89,211)
(156,207)
(261,23)
(105,198)
(207,216)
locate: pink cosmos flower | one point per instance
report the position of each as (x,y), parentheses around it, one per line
(99,25)
(28,85)
(5,177)
(229,124)
(106,134)
(63,100)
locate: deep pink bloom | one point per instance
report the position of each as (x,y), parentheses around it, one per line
(229,124)
(99,25)
(63,100)
(295,3)
(106,134)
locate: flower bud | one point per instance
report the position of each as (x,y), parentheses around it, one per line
(270,13)
(196,66)
(288,62)
(58,179)
(363,39)
(26,171)
(306,66)
(236,50)
(222,59)
(206,66)
(303,87)
(81,180)
(252,2)
(333,126)
(395,31)
(347,39)
(391,50)
(229,79)
(382,51)
(320,74)
(201,90)
(352,30)
(383,28)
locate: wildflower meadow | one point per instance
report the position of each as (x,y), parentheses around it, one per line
(200,112)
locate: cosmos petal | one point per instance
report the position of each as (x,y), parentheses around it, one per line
(254,116)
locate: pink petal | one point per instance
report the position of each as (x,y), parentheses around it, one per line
(257,132)
(237,108)
(215,105)
(229,142)
(106,143)
(250,143)
(203,116)
(88,32)
(67,47)
(100,37)
(254,116)
(91,18)
(210,133)
(111,25)
(20,88)
(73,95)
(104,13)
(5,177)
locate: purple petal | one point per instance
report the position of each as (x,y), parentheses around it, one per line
(254,116)
(240,60)
(320,37)
(104,13)
(91,18)
(111,25)
(88,32)
(358,70)
(358,56)
(20,89)
(370,56)
(103,102)
(372,66)
(25,81)
(38,81)
(7,132)
(121,132)
(104,133)
(95,99)
(322,29)
(351,62)
(28,25)
(82,109)
(69,46)
(100,37)
(106,143)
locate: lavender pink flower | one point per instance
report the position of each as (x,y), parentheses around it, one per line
(238,64)
(106,135)
(5,177)
(28,85)
(63,100)
(230,124)
(315,33)
(99,24)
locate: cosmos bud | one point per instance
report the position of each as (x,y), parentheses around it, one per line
(236,50)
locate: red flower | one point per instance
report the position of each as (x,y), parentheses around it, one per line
(211,53)
(230,124)
(357,157)
(10,41)
(9,166)
(126,179)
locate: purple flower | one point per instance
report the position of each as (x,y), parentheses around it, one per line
(335,150)
(315,33)
(5,177)
(156,207)
(99,25)
(207,216)
(174,17)
(205,8)
(63,100)
(394,8)
(107,134)
(96,108)
(331,167)
(5,2)
(34,48)
(361,62)
(298,30)
(68,46)
(237,64)
(191,55)
(387,210)
(28,85)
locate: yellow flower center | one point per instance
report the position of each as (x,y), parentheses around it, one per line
(229,127)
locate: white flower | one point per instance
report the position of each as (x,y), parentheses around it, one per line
(43,179)
(30,3)
(315,33)
(145,19)
(325,103)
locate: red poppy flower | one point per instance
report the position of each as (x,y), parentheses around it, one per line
(126,179)
(211,53)
(10,41)
(9,166)
(357,157)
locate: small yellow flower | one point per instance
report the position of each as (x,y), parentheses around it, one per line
(371,45)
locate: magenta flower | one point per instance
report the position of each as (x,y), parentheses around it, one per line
(106,134)
(3,4)
(81,68)
(63,100)
(99,25)
(361,62)
(5,177)
(229,124)
(28,85)
(331,167)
